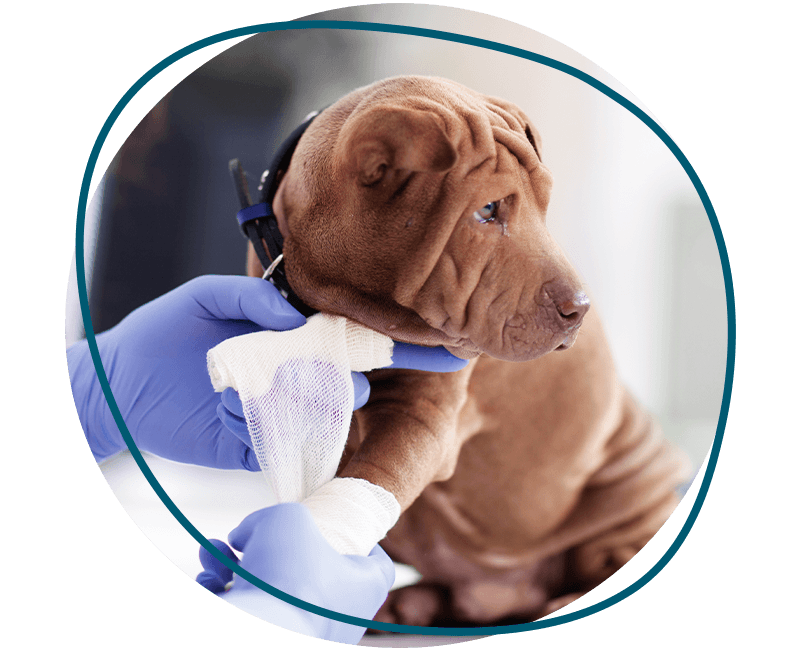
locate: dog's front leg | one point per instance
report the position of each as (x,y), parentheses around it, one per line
(411,430)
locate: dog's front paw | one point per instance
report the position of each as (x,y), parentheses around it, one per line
(558,603)
(419,604)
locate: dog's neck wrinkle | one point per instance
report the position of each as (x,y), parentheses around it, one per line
(376,312)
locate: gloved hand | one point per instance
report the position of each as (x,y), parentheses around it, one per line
(404,355)
(283,547)
(155,361)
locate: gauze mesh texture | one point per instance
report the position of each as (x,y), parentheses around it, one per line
(297,397)
(353,514)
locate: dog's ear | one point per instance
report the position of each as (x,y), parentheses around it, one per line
(389,137)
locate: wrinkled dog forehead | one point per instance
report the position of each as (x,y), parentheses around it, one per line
(474,123)
(410,150)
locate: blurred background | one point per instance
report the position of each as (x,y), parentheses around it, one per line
(623,209)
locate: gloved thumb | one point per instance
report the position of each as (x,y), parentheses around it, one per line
(385,564)
(216,575)
(240,298)
(417,357)
(360,390)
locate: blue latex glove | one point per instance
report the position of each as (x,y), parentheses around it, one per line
(155,360)
(404,355)
(283,546)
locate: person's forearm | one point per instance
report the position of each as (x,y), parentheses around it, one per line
(90,402)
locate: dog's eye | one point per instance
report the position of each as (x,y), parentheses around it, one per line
(487,213)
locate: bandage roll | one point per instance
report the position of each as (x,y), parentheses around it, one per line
(353,514)
(297,397)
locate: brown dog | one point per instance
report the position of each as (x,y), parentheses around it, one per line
(417,207)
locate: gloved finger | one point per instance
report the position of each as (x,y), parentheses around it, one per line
(384,563)
(240,298)
(360,390)
(240,535)
(236,425)
(285,523)
(251,463)
(230,398)
(213,566)
(231,444)
(211,581)
(416,357)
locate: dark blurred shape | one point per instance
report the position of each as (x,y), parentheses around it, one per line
(169,211)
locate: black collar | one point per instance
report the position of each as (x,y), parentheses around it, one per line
(258,222)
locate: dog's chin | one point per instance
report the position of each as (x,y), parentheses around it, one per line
(461,352)
(569,341)
(521,353)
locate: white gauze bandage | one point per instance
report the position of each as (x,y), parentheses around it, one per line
(297,397)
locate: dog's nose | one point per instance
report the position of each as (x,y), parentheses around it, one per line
(574,309)
(571,305)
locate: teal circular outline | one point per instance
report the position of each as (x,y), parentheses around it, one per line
(466,40)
